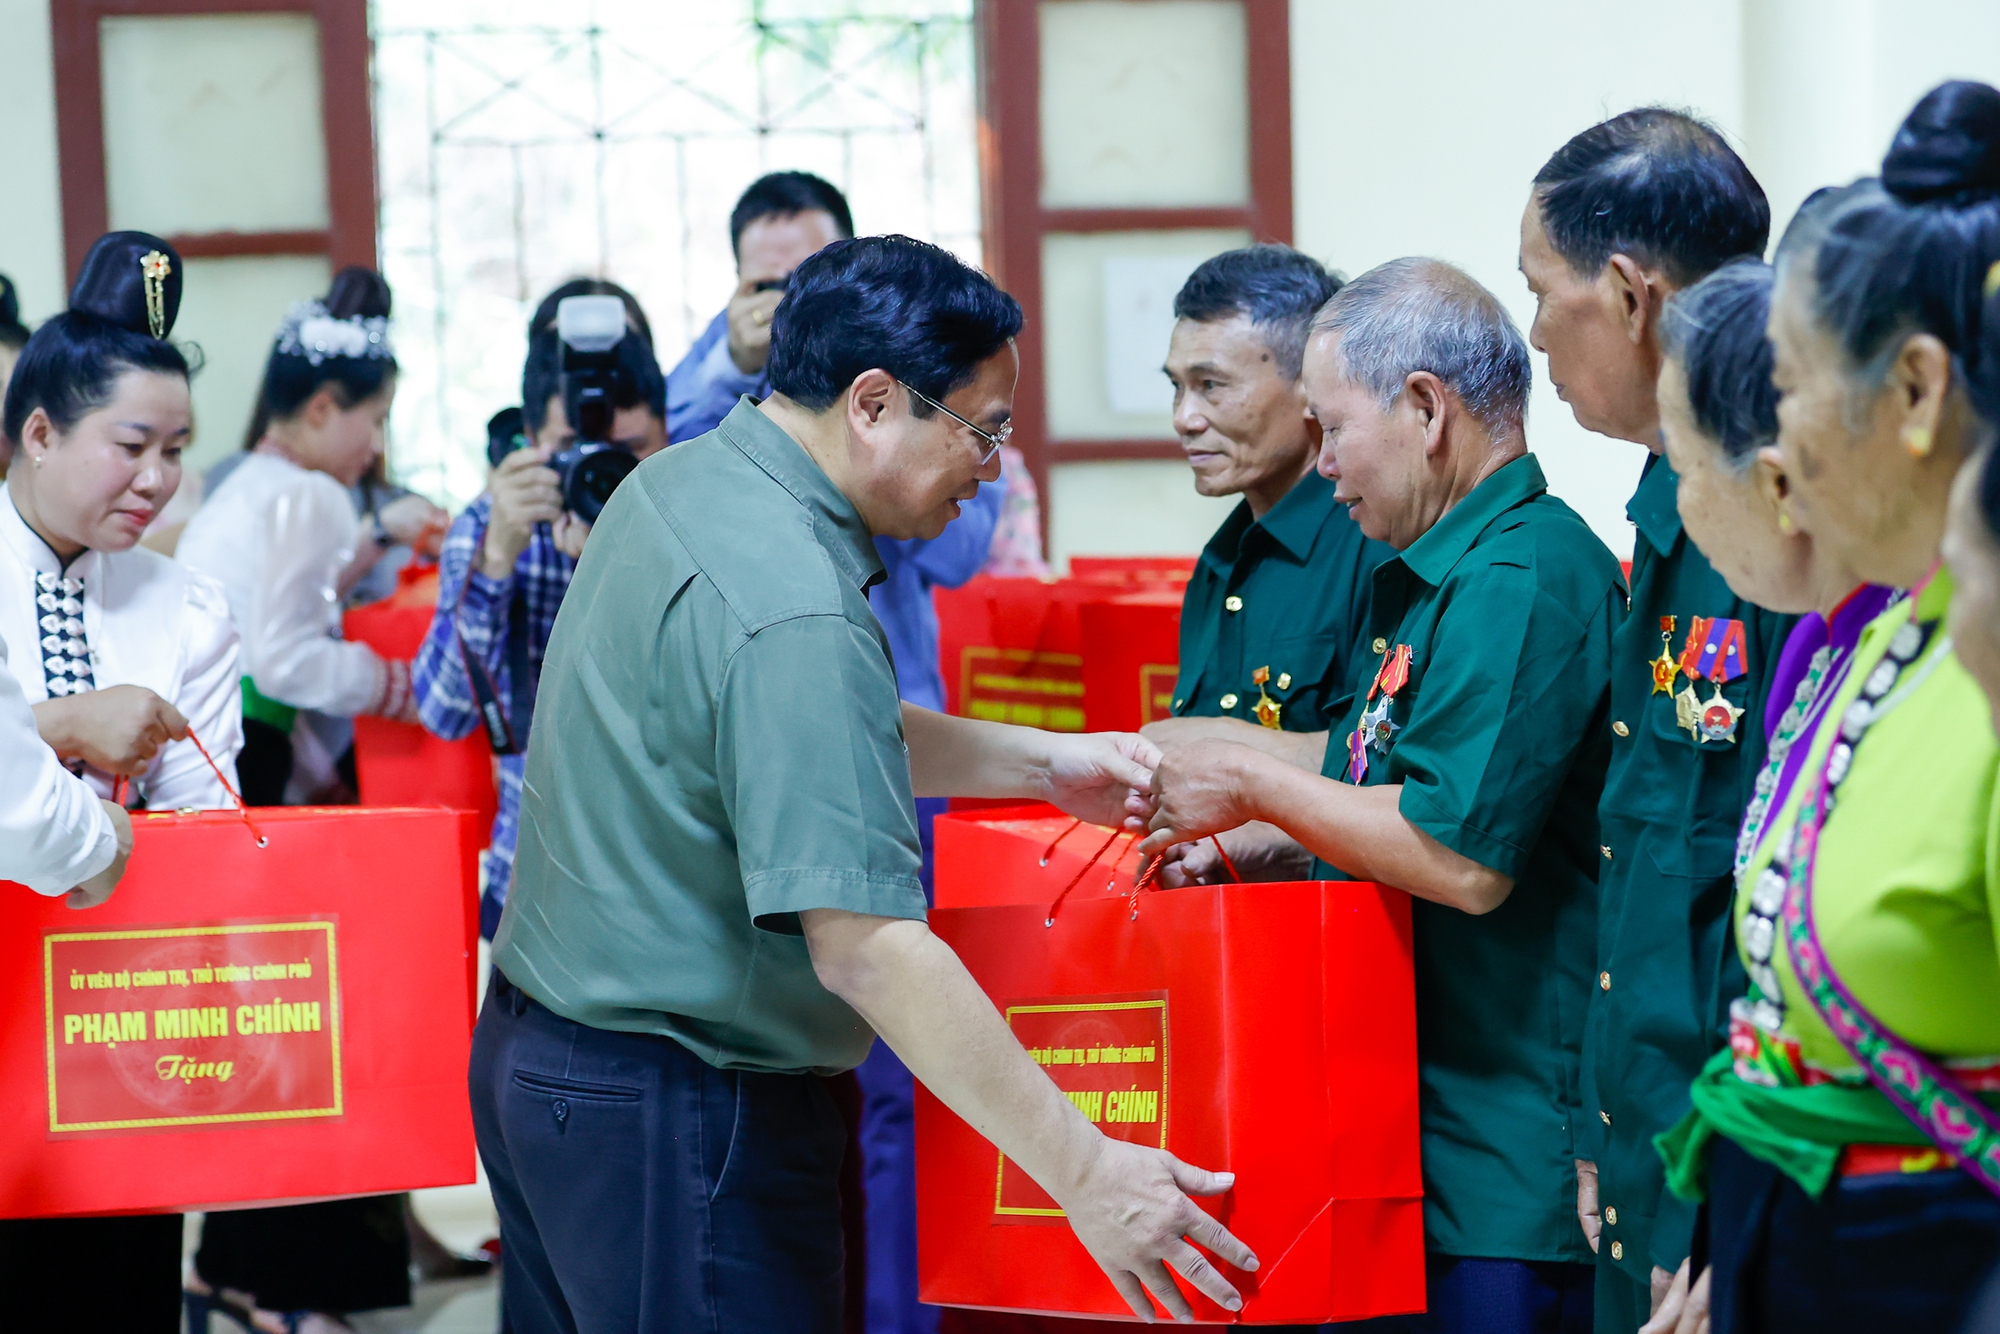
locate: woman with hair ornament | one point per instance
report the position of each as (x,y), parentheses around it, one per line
(125,656)
(281,535)
(1848,1140)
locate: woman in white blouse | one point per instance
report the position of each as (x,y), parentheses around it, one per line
(281,535)
(118,649)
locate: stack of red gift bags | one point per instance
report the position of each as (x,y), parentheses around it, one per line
(1266,1030)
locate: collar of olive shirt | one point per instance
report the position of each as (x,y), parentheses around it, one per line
(1516,482)
(836,523)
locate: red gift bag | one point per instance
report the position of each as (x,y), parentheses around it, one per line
(401,764)
(1131,649)
(1267,1030)
(242,1023)
(1171,572)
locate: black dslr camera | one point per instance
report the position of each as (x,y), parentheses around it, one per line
(590,328)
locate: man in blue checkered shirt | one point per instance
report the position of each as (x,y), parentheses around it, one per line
(507,562)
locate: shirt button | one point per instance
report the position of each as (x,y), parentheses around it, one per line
(1232,603)
(1228,701)
(1179,702)
(1604,1117)
(1611,1215)
(1606,850)
(1621,729)
(1381,646)
(1604,981)
(1618,1250)
(1284,680)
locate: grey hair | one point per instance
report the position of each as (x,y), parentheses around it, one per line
(1418,314)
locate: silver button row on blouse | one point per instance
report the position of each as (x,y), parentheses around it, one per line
(65,652)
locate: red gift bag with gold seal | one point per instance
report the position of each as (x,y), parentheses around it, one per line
(1268,1030)
(244,1023)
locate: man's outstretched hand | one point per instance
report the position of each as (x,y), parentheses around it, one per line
(1130,1209)
(1092,775)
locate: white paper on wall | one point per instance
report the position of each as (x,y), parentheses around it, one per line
(1138,321)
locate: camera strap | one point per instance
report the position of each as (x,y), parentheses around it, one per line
(501,730)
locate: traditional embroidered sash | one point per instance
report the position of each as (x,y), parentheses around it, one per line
(1919,1087)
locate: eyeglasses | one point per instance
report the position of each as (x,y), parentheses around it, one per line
(993,439)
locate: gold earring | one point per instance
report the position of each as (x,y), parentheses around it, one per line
(1917,439)
(1785,524)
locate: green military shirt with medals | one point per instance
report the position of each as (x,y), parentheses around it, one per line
(1673,801)
(1279,598)
(718,746)
(1498,623)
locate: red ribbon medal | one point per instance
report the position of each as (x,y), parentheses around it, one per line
(1376,729)
(1718,650)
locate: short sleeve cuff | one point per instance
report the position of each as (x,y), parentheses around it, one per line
(1495,854)
(776,897)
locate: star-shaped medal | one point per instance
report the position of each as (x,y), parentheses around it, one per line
(1664,670)
(1377,728)
(1267,709)
(1718,718)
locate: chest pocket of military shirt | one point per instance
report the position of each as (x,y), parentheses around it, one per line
(1664,712)
(1309,661)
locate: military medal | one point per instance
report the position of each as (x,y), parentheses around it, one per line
(1664,667)
(1267,708)
(1376,729)
(1717,650)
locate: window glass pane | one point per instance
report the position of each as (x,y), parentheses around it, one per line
(1144,103)
(230,308)
(212,123)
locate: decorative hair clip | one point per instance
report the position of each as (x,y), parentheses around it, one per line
(310,331)
(155,267)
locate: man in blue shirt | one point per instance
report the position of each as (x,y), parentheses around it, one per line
(507,562)
(782,218)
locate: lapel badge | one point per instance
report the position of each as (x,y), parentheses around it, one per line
(1716,650)
(1267,709)
(1664,667)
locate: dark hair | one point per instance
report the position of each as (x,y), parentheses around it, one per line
(545,313)
(1275,287)
(1659,185)
(13,333)
(1715,331)
(291,376)
(1909,252)
(636,382)
(782,194)
(70,365)
(905,306)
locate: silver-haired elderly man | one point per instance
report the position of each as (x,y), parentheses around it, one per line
(1464,768)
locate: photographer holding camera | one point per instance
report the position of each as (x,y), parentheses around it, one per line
(593,406)
(782,218)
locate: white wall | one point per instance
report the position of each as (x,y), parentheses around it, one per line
(31,247)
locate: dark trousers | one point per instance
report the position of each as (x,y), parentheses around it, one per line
(641,1189)
(336,1256)
(1881,1252)
(1470,1296)
(264,765)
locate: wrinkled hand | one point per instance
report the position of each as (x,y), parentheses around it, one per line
(750,313)
(1130,1209)
(1682,1308)
(1586,1201)
(98,888)
(415,522)
(1200,789)
(570,534)
(1091,774)
(117,730)
(1262,852)
(526,491)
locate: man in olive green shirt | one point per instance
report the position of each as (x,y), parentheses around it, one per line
(1465,769)
(1269,618)
(716,894)
(1625,214)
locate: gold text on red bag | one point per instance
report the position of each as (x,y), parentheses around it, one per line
(1109,1056)
(191,1025)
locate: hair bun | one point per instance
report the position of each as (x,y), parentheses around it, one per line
(10,304)
(358,291)
(1948,145)
(122,283)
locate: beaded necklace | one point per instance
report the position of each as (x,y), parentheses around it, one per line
(1807,701)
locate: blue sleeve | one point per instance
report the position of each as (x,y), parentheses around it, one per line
(959,552)
(705,384)
(472,611)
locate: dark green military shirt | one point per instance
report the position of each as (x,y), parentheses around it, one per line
(1672,804)
(718,746)
(1286,593)
(1508,604)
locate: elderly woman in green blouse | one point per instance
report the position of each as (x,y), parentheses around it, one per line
(1854,1182)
